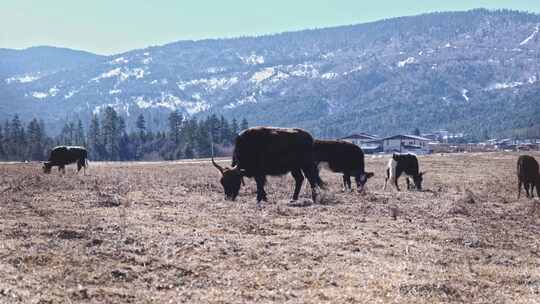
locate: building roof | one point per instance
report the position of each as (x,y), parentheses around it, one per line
(403,136)
(360,136)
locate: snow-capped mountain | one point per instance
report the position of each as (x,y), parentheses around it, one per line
(464,71)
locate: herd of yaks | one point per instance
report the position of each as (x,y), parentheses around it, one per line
(262,151)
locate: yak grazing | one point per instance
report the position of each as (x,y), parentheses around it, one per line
(64,155)
(407,164)
(342,157)
(262,151)
(528,175)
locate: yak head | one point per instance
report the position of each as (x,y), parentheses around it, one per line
(417,179)
(231,180)
(362,179)
(47,167)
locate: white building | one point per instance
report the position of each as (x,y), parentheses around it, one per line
(405,143)
(368,143)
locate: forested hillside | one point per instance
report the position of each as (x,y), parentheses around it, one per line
(474,72)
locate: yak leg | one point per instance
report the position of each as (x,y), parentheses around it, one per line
(386,178)
(395,179)
(527,188)
(62,169)
(81,164)
(519,188)
(347,181)
(408,183)
(298,179)
(310,171)
(261,194)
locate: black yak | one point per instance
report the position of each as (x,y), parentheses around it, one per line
(342,157)
(64,155)
(262,151)
(528,175)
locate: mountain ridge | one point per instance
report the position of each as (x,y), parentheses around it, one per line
(435,70)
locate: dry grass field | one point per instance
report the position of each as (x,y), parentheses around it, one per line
(161,232)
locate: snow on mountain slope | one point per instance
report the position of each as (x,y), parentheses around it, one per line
(363,77)
(531,36)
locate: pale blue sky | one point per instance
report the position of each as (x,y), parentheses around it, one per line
(113,26)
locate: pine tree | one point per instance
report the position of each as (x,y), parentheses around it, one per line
(150,136)
(110,134)
(416,132)
(7,140)
(93,139)
(124,152)
(175,123)
(7,130)
(141,126)
(2,153)
(234,130)
(225,131)
(35,140)
(189,131)
(16,126)
(79,134)
(121,125)
(188,152)
(67,135)
(213,125)
(16,139)
(202,140)
(244,124)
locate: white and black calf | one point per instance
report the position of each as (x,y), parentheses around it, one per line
(404,164)
(528,175)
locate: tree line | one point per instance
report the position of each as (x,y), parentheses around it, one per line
(107,138)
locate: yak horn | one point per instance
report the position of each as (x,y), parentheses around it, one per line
(217,166)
